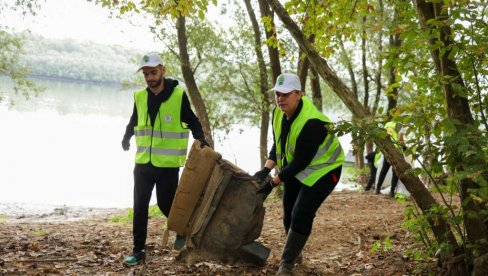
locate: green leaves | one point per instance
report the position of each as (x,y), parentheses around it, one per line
(382,246)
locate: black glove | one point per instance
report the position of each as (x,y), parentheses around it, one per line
(266,188)
(125,145)
(203,142)
(261,175)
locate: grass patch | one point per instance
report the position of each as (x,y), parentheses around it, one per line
(40,232)
(154,212)
(3,218)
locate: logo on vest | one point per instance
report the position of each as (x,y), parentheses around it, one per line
(168,118)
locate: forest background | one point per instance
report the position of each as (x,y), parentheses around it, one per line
(421,63)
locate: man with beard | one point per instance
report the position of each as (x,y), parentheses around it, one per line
(160,121)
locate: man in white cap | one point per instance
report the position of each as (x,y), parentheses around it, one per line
(160,121)
(309,158)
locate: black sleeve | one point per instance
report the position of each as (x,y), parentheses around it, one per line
(272,152)
(188,117)
(310,138)
(129,129)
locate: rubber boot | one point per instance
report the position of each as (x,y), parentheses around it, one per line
(299,259)
(293,247)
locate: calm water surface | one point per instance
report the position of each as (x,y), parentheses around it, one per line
(63,147)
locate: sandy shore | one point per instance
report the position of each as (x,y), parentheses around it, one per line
(24,212)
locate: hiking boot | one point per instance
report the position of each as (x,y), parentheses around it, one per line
(180,242)
(136,258)
(293,247)
(391,194)
(285,269)
(299,259)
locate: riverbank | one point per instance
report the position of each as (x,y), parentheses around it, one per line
(28,213)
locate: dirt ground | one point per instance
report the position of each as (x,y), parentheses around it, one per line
(345,229)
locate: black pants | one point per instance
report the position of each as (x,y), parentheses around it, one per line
(372,176)
(300,202)
(383,172)
(145,177)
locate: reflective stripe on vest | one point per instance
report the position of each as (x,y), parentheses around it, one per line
(165,144)
(329,154)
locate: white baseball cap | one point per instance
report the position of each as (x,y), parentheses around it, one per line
(287,82)
(151,59)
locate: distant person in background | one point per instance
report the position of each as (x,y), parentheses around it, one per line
(160,121)
(395,133)
(309,158)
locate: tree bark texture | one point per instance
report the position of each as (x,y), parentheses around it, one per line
(316,91)
(195,96)
(392,96)
(303,65)
(274,53)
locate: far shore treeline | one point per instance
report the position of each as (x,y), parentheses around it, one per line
(71,60)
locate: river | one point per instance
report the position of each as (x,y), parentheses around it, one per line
(63,147)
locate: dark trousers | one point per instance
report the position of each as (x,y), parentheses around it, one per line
(372,176)
(145,177)
(383,172)
(300,202)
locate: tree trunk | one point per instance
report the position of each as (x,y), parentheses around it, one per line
(379,69)
(263,85)
(392,96)
(303,65)
(457,108)
(316,91)
(274,54)
(363,64)
(195,96)
(356,143)
(420,194)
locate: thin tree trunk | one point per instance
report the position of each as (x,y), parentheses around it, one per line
(379,69)
(263,85)
(274,53)
(363,63)
(420,194)
(356,144)
(316,91)
(303,65)
(190,82)
(392,96)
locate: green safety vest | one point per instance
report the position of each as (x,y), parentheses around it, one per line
(164,143)
(329,154)
(377,158)
(392,130)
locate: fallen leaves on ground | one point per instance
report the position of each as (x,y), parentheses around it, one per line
(345,229)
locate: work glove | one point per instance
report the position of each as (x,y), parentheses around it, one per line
(262,174)
(266,187)
(203,142)
(125,144)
